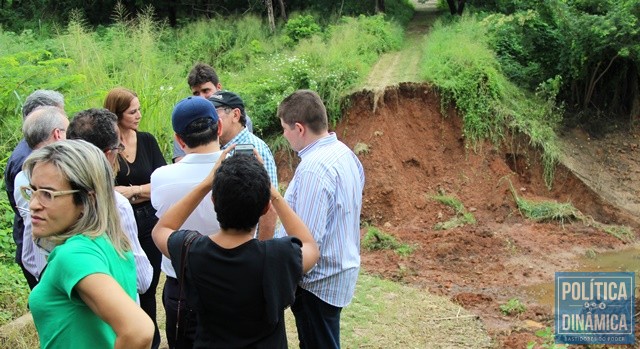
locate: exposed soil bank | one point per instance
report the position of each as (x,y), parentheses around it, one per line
(414,152)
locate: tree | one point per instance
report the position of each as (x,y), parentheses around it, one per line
(272,21)
(380,6)
(283,12)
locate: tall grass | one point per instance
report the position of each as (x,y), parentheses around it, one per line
(153,60)
(458,60)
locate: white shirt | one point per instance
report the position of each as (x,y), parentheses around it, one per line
(34,260)
(172,182)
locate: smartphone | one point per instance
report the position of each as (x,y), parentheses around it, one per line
(243,149)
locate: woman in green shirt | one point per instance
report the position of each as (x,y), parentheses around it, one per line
(86,295)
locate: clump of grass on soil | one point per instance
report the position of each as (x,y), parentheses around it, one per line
(375,239)
(513,307)
(544,211)
(461,218)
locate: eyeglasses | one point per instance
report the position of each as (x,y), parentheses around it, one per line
(227,110)
(44,196)
(119,148)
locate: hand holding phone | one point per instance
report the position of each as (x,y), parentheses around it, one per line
(243,149)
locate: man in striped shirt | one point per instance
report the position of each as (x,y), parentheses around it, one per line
(326,192)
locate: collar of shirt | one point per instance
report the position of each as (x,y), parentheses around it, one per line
(319,143)
(238,139)
(198,158)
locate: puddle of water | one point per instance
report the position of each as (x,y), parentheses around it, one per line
(621,261)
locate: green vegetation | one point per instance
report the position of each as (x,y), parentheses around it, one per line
(542,211)
(13,292)
(513,307)
(461,218)
(459,60)
(592,45)
(548,338)
(375,239)
(153,59)
(623,233)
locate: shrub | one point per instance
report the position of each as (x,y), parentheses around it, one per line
(301,27)
(13,292)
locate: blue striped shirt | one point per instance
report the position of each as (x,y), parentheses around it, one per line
(326,192)
(246,137)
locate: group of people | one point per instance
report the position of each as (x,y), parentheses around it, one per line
(99,213)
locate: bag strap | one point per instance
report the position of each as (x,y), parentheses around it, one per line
(191,235)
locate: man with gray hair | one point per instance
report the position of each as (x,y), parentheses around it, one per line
(44,125)
(37,99)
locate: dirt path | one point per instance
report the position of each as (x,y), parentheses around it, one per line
(404,65)
(609,165)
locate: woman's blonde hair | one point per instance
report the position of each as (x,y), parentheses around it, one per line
(86,169)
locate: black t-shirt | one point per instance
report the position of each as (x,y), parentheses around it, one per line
(239,294)
(148,159)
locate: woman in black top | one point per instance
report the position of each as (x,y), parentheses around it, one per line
(140,158)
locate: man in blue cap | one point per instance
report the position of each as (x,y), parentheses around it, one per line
(196,126)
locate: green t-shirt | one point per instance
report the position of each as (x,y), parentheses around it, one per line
(62,319)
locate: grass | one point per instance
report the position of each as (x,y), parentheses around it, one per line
(461,218)
(418,319)
(13,292)
(458,60)
(544,211)
(375,239)
(379,305)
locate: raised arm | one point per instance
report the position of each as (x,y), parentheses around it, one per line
(294,226)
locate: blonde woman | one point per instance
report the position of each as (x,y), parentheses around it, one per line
(86,295)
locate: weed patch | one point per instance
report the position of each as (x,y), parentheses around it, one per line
(375,239)
(548,340)
(461,218)
(513,307)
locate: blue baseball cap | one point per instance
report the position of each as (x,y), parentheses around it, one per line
(189,110)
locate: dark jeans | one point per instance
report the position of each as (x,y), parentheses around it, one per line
(318,323)
(145,220)
(182,336)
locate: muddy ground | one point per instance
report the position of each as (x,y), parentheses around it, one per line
(414,152)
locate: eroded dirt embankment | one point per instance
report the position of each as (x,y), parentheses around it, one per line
(412,153)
